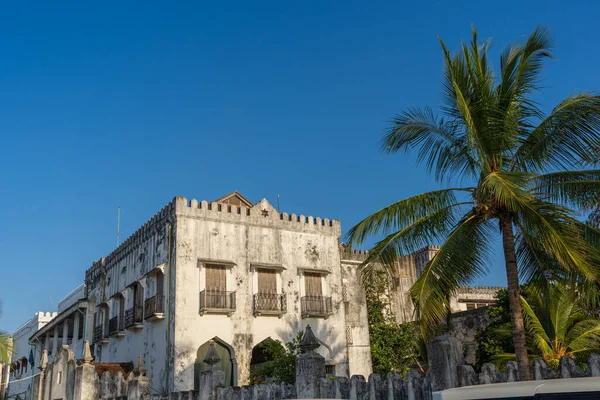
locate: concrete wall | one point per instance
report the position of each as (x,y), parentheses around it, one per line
(20,382)
(245,237)
(70,299)
(135,260)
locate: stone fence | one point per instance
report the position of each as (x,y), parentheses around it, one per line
(67,379)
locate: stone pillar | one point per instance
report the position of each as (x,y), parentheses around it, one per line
(38,381)
(310,367)
(76,329)
(445,355)
(55,342)
(65,334)
(212,379)
(86,378)
(139,387)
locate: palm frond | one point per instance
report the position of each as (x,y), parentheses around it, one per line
(536,330)
(463,257)
(567,138)
(441,144)
(579,190)
(431,228)
(403,213)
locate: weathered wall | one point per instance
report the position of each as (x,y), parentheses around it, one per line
(357,330)
(243,238)
(22,348)
(112,277)
(463,326)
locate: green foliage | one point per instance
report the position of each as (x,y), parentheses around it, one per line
(521,168)
(282,366)
(6,345)
(557,321)
(393,347)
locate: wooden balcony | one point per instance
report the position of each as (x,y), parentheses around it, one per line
(316,307)
(154,308)
(270,304)
(134,318)
(217,302)
(116,326)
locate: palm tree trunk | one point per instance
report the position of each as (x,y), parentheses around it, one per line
(514,299)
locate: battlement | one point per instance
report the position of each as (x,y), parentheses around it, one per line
(479,290)
(149,228)
(350,254)
(263,213)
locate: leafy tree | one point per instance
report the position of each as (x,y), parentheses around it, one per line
(557,325)
(521,168)
(393,347)
(6,345)
(282,367)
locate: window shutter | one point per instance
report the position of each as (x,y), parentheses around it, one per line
(267,281)
(312,284)
(215,279)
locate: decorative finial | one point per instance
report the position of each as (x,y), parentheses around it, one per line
(86,354)
(140,367)
(44,360)
(265,212)
(309,341)
(212,357)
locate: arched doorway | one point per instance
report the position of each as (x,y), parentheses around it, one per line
(261,368)
(228,362)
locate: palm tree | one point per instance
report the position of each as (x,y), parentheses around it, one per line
(524,169)
(557,325)
(5,344)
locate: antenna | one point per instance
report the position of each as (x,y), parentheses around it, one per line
(118,224)
(278,208)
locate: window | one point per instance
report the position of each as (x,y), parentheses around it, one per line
(330,370)
(313,285)
(59,378)
(267,281)
(267,299)
(216,279)
(315,303)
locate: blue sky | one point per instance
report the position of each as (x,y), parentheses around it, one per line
(130,104)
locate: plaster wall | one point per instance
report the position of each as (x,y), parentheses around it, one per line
(110,281)
(242,238)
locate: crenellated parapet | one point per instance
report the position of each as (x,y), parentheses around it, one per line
(262,213)
(154,225)
(479,290)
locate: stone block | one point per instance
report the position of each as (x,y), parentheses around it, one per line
(466,376)
(593,368)
(568,368)
(394,386)
(342,387)
(512,372)
(377,388)
(358,388)
(489,374)
(540,370)
(326,388)
(445,355)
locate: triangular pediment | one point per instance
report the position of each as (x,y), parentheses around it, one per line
(234,198)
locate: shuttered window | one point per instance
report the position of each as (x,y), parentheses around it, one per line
(267,281)
(312,284)
(216,278)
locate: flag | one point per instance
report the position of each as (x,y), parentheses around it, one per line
(31,359)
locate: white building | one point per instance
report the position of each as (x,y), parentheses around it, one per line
(226,271)
(21,369)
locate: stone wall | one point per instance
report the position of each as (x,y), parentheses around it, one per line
(79,380)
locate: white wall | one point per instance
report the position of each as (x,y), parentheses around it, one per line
(246,239)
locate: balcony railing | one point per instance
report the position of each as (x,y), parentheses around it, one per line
(316,306)
(115,325)
(270,304)
(134,317)
(97,333)
(216,301)
(154,307)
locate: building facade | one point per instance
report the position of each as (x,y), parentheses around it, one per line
(229,272)
(24,358)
